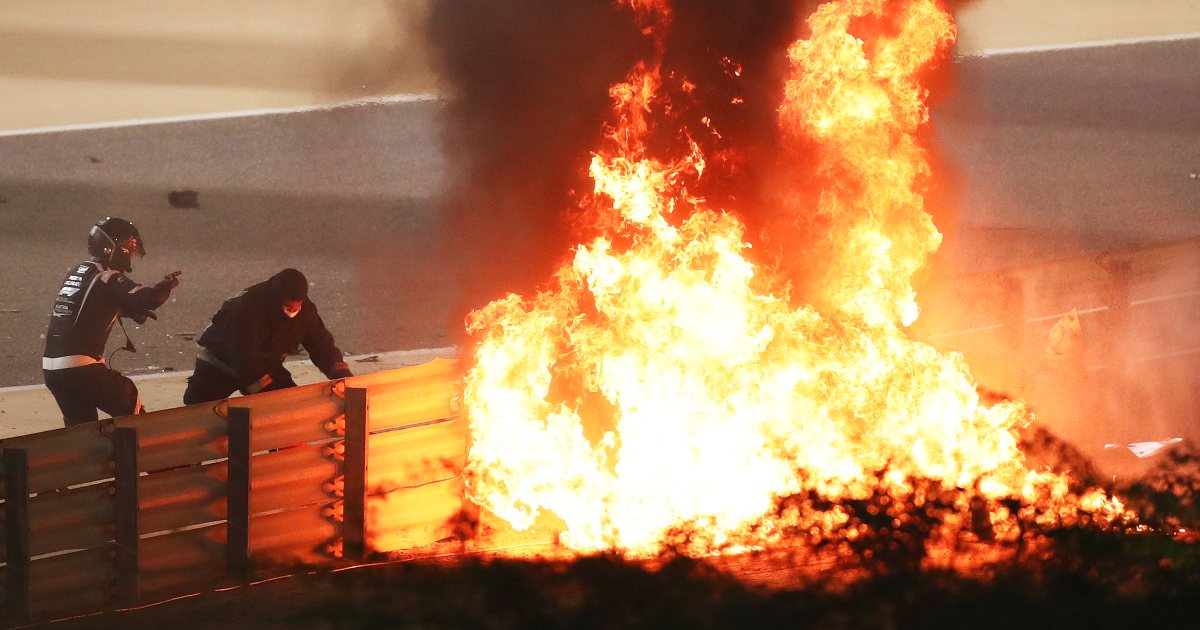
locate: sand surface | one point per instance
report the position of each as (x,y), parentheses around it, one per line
(72,62)
(31,409)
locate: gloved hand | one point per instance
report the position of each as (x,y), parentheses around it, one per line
(141,316)
(340,370)
(170,281)
(257,386)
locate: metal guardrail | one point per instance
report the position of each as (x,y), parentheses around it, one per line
(1119,297)
(1134,375)
(135,509)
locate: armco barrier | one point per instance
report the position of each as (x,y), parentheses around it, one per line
(136,509)
(1135,376)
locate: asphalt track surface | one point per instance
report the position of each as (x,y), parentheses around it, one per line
(344,195)
(1057,153)
(1069,152)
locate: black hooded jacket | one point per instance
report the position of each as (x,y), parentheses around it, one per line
(251,336)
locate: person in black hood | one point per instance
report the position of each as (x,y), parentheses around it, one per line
(93,295)
(253,332)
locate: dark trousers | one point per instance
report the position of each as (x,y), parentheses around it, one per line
(209,382)
(80,391)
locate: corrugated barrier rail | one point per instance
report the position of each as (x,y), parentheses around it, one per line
(131,510)
(1139,314)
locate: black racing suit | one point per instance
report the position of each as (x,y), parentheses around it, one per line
(87,305)
(250,336)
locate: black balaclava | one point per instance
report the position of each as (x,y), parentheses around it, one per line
(289,285)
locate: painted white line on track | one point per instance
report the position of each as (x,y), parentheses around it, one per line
(966,332)
(1169,355)
(398,98)
(383,356)
(1102,43)
(1149,300)
(1164,298)
(430,96)
(1080,312)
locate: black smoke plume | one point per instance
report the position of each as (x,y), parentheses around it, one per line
(529,83)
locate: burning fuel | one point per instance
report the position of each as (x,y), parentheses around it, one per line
(665,382)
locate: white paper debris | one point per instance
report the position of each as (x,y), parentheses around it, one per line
(1146,449)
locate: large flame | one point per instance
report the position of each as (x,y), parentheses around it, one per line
(664,381)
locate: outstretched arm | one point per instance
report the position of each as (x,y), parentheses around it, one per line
(138,301)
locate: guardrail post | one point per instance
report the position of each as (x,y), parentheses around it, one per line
(237,542)
(16,523)
(125,456)
(354,470)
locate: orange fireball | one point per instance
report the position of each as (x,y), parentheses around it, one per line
(662,381)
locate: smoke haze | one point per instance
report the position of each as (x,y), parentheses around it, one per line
(529,83)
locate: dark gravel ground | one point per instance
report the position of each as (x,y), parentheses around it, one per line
(1139,573)
(1092,580)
